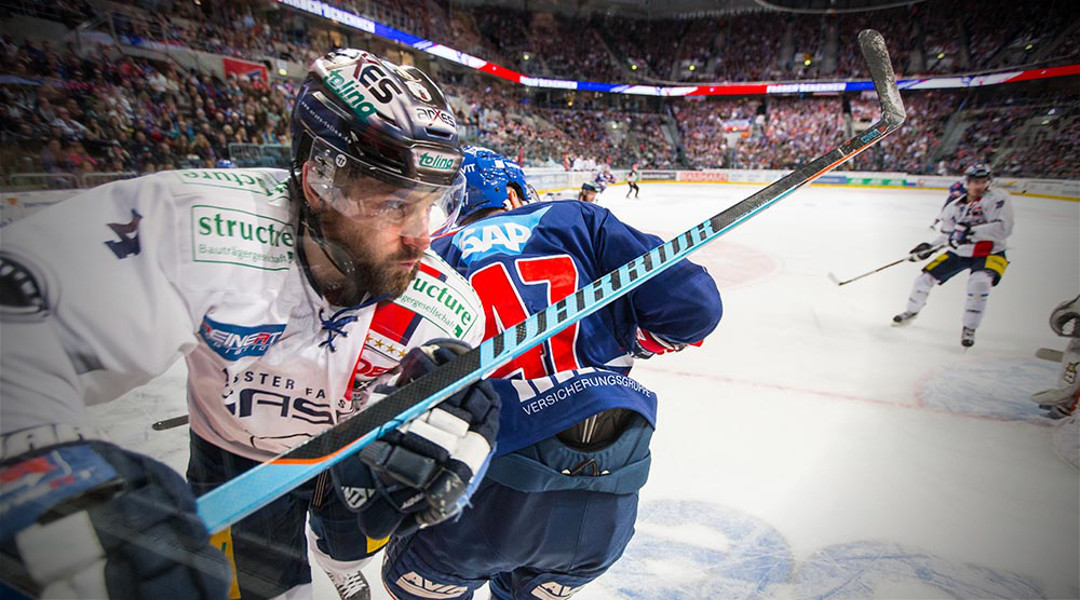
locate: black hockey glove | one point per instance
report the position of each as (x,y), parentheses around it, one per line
(88,519)
(420,473)
(921,252)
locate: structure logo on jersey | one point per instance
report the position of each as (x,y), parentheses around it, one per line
(236,237)
(233,342)
(442,302)
(506,234)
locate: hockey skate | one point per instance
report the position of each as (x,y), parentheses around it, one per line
(350,586)
(904,318)
(967,337)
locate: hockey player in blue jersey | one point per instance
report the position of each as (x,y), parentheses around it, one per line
(558,504)
(956,192)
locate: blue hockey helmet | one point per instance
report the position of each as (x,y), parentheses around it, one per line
(488,175)
(589,186)
(978,171)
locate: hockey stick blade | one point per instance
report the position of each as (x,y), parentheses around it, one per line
(164,424)
(833,278)
(1049,354)
(253,489)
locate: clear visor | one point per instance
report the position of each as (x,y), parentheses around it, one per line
(364,193)
(530,194)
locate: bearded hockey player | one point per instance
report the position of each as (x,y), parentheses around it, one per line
(287,292)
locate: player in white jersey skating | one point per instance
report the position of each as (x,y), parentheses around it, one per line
(976,228)
(287,292)
(587,193)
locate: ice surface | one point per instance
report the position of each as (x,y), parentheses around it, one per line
(811,450)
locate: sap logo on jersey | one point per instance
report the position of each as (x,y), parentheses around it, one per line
(497,235)
(232,342)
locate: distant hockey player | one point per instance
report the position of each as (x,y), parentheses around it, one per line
(1061,401)
(287,292)
(632,180)
(603,178)
(587,193)
(976,227)
(559,502)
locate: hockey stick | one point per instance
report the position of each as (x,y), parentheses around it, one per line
(1049,354)
(169,423)
(907,258)
(255,488)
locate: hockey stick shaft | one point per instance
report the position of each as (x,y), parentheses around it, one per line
(882,268)
(255,488)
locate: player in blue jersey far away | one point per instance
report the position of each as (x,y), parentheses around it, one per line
(603,178)
(558,504)
(956,192)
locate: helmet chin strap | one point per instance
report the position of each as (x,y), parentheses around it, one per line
(346,293)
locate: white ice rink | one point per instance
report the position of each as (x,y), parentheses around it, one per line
(810,450)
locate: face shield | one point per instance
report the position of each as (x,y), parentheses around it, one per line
(375,197)
(530,194)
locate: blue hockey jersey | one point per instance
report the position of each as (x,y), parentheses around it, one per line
(956,191)
(521,261)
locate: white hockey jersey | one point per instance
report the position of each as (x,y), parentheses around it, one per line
(122,280)
(990,220)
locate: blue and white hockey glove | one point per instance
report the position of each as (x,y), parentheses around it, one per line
(88,519)
(959,236)
(420,474)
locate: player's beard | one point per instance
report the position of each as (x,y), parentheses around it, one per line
(361,270)
(388,278)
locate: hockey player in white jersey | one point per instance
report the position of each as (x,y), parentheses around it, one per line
(287,292)
(976,228)
(587,193)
